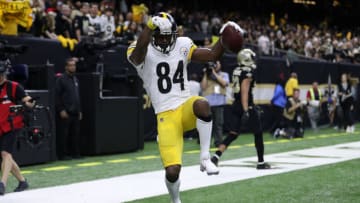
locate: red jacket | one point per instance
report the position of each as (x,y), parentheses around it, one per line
(5,115)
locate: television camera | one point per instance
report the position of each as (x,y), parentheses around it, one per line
(7,52)
(90,51)
(33,134)
(10,50)
(209,66)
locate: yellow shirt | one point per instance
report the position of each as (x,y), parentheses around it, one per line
(291,84)
(10,28)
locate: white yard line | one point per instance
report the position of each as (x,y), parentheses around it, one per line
(141,185)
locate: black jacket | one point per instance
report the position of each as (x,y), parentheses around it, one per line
(67,94)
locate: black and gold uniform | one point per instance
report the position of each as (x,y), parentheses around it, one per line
(244,112)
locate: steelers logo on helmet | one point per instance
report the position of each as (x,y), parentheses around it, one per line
(164,40)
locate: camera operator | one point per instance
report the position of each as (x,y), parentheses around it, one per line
(11,93)
(293,114)
(213,85)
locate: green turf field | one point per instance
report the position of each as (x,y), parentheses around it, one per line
(330,183)
(90,168)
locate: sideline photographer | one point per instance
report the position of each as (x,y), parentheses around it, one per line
(213,85)
(11,94)
(293,114)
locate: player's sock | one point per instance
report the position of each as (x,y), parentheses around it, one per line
(174,190)
(218,153)
(259,145)
(204,129)
(216,157)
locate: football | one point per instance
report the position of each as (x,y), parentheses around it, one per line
(232,39)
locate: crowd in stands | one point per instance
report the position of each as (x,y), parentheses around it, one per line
(108,19)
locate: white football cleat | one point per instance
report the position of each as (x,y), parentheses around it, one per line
(209,167)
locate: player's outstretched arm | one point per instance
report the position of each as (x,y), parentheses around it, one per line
(139,53)
(244,91)
(206,54)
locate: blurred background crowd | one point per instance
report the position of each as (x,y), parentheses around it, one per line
(272,33)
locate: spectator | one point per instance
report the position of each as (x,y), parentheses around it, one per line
(213,85)
(128,19)
(205,24)
(63,22)
(181,31)
(82,22)
(49,27)
(76,10)
(130,33)
(108,24)
(11,93)
(120,25)
(38,20)
(264,44)
(278,102)
(314,98)
(68,113)
(207,42)
(94,19)
(346,99)
(291,55)
(293,115)
(332,103)
(291,84)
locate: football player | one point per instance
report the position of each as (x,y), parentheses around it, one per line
(161,59)
(244,112)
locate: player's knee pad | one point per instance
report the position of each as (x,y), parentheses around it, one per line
(229,139)
(205,118)
(172,173)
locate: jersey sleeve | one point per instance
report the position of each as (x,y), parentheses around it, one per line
(246,72)
(129,52)
(191,50)
(187,47)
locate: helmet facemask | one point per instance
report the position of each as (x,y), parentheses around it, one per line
(164,40)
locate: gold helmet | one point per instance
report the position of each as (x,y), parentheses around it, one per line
(246,57)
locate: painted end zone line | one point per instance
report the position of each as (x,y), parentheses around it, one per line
(141,185)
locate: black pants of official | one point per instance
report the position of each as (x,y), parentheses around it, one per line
(348,114)
(277,117)
(254,125)
(68,137)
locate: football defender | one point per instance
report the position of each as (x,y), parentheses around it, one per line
(161,58)
(244,112)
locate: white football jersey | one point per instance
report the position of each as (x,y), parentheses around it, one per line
(107,27)
(165,75)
